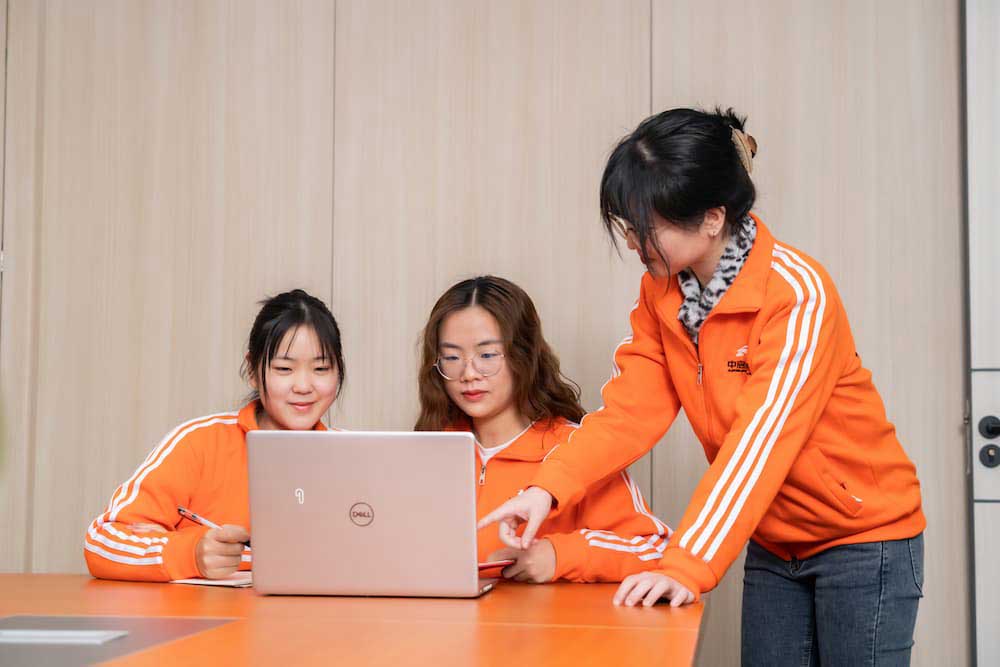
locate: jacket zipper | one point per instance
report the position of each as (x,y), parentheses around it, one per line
(701,383)
(482,474)
(700,377)
(704,402)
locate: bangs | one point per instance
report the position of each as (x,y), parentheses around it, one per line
(328,338)
(274,333)
(631,191)
(626,194)
(293,322)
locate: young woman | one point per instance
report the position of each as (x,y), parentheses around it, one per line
(294,363)
(748,336)
(487,368)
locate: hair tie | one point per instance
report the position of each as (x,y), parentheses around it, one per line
(746,148)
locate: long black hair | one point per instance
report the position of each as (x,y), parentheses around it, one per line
(279,315)
(677,165)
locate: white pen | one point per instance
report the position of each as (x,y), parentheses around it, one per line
(188,514)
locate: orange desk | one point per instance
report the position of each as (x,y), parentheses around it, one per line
(516,624)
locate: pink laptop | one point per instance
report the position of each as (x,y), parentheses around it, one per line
(364,513)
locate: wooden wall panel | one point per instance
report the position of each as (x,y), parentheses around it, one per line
(856,108)
(17,306)
(470,139)
(185,171)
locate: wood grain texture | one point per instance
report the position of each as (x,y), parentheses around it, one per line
(18,300)
(557,624)
(470,139)
(185,171)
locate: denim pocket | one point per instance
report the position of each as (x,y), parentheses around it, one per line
(916,546)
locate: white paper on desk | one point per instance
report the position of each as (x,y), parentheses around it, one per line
(80,637)
(242,579)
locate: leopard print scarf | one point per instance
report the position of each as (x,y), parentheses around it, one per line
(699,302)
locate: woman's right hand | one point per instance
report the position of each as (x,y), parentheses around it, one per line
(648,587)
(220,551)
(530,507)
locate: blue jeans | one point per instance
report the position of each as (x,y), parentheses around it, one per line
(854,605)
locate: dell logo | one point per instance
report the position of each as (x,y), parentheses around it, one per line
(300,496)
(361,514)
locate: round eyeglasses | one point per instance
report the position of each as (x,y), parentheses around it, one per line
(622,227)
(451,366)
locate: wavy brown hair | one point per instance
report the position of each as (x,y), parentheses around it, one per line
(541,391)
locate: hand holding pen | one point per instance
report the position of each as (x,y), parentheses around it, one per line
(220,550)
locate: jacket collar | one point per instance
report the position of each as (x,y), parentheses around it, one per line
(747,291)
(247,419)
(746,294)
(533,444)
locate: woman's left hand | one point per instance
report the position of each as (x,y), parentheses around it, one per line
(648,587)
(536,565)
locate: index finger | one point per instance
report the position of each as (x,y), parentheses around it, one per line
(502,512)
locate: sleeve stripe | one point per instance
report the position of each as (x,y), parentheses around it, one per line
(615,371)
(114,532)
(654,555)
(159,459)
(123,538)
(120,546)
(608,535)
(122,490)
(755,456)
(639,503)
(125,560)
(798,265)
(656,544)
(739,465)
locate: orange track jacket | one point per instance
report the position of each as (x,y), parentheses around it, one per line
(802,455)
(607,536)
(200,465)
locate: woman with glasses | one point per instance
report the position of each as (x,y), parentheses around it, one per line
(749,337)
(486,368)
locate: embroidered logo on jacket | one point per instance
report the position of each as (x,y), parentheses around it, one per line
(739,365)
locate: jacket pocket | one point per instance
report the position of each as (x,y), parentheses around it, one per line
(835,483)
